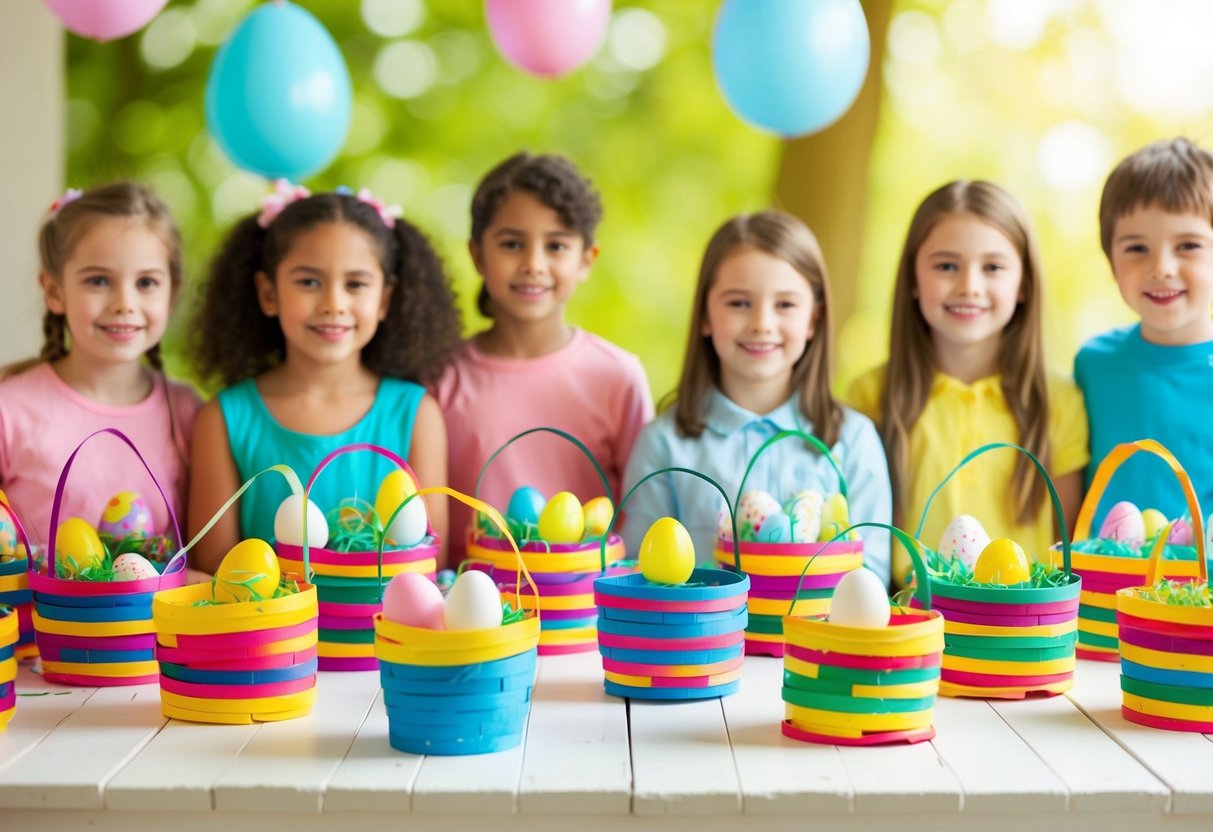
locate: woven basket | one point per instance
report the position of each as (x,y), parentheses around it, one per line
(780,572)
(94,633)
(1103,576)
(15,591)
(858,686)
(237,663)
(8,664)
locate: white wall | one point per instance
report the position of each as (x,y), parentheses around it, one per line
(32,89)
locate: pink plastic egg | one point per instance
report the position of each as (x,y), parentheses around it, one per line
(414,600)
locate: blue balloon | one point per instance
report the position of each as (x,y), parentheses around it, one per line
(278,97)
(790,66)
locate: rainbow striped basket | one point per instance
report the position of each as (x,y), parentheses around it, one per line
(14,587)
(99,633)
(456,692)
(1006,642)
(857,686)
(1104,575)
(237,663)
(349,585)
(781,573)
(8,664)
(563,574)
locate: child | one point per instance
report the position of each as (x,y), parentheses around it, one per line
(532,240)
(110,273)
(966,367)
(317,310)
(758,362)
(1152,379)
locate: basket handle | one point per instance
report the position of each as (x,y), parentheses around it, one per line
(173,565)
(808,438)
(1154,566)
(581,445)
(477,505)
(602,544)
(1117,457)
(912,545)
(1058,513)
(22,537)
(390,456)
(292,481)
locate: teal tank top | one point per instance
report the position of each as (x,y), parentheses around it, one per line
(259,441)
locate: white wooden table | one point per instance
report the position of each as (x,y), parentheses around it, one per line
(106,759)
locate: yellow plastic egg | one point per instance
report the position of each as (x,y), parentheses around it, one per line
(835,511)
(78,545)
(598,514)
(249,572)
(667,555)
(392,491)
(562,519)
(1154,522)
(1002,562)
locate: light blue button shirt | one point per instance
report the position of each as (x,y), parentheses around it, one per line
(722,452)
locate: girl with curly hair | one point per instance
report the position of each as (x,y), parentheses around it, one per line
(533,224)
(323,317)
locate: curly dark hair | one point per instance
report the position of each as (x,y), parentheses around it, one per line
(554,180)
(232,339)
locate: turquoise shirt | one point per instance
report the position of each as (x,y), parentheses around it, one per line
(722,452)
(258,441)
(1138,390)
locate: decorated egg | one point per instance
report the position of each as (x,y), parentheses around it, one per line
(724,528)
(835,511)
(1181,533)
(753,510)
(860,600)
(413,599)
(1153,522)
(525,505)
(78,546)
(1124,523)
(667,555)
(963,539)
(777,529)
(562,519)
(288,523)
(598,513)
(125,514)
(133,567)
(804,511)
(1002,562)
(474,602)
(8,533)
(249,572)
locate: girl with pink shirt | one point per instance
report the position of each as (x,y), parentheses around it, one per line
(532,240)
(110,276)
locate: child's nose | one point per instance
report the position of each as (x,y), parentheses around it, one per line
(971,280)
(1163,265)
(536,259)
(334,299)
(124,298)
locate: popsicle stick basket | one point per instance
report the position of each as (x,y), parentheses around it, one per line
(1008,642)
(8,664)
(1104,566)
(458,692)
(349,584)
(98,633)
(848,685)
(238,662)
(805,572)
(672,641)
(563,574)
(14,584)
(1166,643)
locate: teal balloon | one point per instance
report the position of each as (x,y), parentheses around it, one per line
(791,67)
(278,96)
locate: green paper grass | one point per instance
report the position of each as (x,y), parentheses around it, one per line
(354,526)
(157,549)
(1177,594)
(1115,548)
(954,571)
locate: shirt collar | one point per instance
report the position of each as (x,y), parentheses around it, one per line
(948,385)
(724,416)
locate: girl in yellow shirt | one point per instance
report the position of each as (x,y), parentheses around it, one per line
(966,367)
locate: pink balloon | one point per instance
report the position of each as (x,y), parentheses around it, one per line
(104,20)
(548,37)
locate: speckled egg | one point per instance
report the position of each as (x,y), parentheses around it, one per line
(125,514)
(963,539)
(752,512)
(805,512)
(133,567)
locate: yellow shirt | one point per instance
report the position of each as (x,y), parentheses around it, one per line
(959,418)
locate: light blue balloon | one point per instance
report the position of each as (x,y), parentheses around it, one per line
(790,66)
(278,96)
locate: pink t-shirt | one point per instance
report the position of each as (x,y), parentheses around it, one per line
(589,388)
(42,420)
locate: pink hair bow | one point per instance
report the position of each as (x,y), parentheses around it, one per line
(69,196)
(388,213)
(285,192)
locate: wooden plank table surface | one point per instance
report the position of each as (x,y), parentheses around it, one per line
(106,759)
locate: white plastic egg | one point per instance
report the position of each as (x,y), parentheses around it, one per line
(474,602)
(860,600)
(963,539)
(288,523)
(409,527)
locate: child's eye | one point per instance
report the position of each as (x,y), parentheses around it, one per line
(96,280)
(1190,245)
(994,267)
(307,282)
(1135,248)
(787,304)
(738,303)
(511,245)
(146,283)
(355,285)
(945,267)
(558,247)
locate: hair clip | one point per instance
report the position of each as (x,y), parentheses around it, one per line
(284,194)
(388,213)
(69,196)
